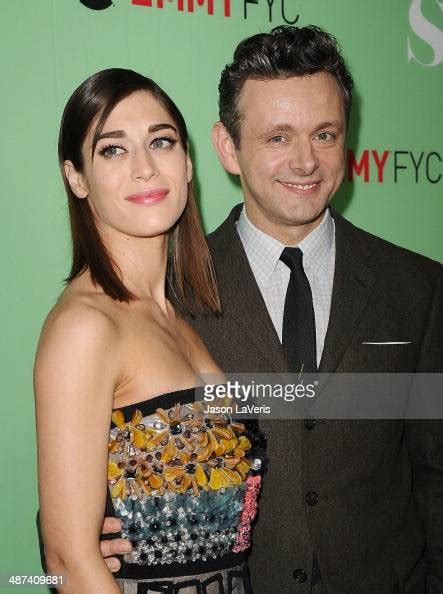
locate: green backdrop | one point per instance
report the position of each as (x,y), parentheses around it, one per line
(395,50)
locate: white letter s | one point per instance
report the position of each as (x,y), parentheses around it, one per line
(427,31)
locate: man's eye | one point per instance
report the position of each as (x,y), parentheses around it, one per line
(163,143)
(325,136)
(111,150)
(278,139)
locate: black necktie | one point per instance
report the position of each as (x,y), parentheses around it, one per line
(298,320)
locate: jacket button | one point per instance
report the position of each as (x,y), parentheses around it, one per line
(300,575)
(310,423)
(312,498)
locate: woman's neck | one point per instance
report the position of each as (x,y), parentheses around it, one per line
(142,263)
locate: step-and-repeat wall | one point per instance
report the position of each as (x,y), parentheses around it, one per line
(393,186)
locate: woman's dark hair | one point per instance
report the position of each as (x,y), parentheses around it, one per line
(190,262)
(284,52)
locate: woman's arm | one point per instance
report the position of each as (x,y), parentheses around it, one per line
(75,375)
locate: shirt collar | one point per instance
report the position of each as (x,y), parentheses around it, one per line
(264,251)
(317,246)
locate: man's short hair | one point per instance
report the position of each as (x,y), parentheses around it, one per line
(284,52)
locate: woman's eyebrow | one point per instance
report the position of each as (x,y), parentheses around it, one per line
(157,127)
(122,133)
(111,134)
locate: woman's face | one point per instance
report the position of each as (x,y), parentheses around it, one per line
(136,180)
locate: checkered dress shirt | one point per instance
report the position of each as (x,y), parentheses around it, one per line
(272,275)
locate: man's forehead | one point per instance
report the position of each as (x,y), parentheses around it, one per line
(311,92)
(286,86)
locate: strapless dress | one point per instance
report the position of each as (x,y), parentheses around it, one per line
(185,485)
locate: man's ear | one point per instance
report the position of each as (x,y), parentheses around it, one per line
(76,180)
(224,145)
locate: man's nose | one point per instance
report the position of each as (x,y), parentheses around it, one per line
(143,165)
(303,159)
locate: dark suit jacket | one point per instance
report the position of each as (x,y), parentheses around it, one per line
(378,524)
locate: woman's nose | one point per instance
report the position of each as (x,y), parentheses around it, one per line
(144,165)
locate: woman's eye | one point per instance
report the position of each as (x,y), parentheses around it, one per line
(111,150)
(325,136)
(163,143)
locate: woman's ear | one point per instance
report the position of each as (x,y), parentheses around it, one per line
(189,168)
(224,145)
(76,180)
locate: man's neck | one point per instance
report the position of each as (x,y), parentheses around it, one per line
(290,235)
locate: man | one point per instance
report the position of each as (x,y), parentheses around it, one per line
(348,507)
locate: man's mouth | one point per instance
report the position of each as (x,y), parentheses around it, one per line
(299,186)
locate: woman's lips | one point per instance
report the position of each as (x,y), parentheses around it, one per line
(148,197)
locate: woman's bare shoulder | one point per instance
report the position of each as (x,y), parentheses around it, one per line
(78,362)
(80,318)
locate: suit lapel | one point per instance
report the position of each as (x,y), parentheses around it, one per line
(241,298)
(353,282)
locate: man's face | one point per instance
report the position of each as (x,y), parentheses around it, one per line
(291,154)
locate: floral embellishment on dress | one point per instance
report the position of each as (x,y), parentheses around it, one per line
(180,478)
(130,433)
(179,449)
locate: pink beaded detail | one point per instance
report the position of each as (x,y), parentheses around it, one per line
(248,513)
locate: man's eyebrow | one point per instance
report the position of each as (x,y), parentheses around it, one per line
(277,128)
(122,133)
(330,124)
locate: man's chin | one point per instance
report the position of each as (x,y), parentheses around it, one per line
(308,216)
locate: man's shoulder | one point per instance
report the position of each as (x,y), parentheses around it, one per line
(381,252)
(226,233)
(225,244)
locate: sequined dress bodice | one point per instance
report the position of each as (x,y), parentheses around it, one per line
(184,484)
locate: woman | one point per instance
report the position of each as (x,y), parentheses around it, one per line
(114,347)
